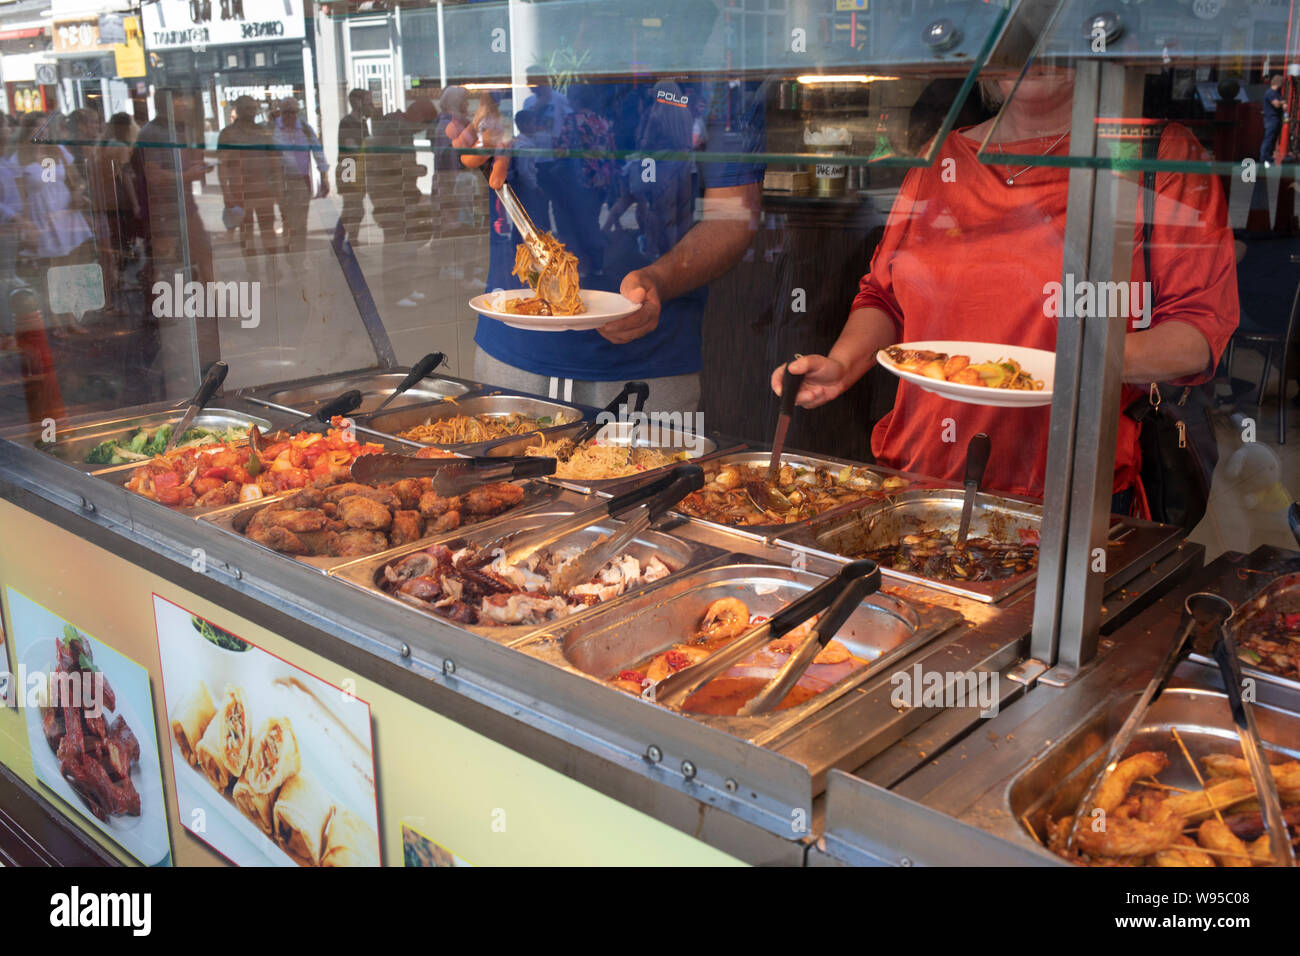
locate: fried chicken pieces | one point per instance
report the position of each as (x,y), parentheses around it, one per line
(1168,827)
(348,519)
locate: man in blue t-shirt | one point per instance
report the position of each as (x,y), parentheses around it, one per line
(693,220)
(1273,108)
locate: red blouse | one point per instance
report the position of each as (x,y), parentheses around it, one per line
(968,259)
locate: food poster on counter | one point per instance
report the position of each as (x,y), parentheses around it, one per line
(89,715)
(272,766)
(419,850)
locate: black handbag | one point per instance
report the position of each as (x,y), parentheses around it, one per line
(1179,448)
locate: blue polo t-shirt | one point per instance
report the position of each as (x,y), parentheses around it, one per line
(646,118)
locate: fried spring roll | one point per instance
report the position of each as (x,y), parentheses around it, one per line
(302,810)
(273,757)
(256,806)
(349,841)
(191,720)
(222,752)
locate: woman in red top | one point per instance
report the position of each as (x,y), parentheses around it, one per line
(967,257)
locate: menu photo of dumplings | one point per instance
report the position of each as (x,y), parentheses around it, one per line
(273,766)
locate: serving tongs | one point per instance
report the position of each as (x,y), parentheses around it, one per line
(1200,611)
(567,447)
(1206,613)
(319,420)
(207,388)
(1252,747)
(826,627)
(763,493)
(523,224)
(675,689)
(518,545)
(583,566)
(419,372)
(451,476)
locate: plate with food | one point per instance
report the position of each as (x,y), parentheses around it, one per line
(523,309)
(553,302)
(977,373)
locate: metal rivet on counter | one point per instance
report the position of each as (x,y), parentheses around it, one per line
(654,754)
(238,574)
(449,666)
(405,650)
(688,769)
(730,785)
(87,505)
(905,862)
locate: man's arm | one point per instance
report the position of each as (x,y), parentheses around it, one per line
(709,248)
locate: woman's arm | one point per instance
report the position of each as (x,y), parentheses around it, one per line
(867,331)
(1169,351)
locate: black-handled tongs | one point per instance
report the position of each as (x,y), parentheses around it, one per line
(418,373)
(640,389)
(659,495)
(451,476)
(856,579)
(319,420)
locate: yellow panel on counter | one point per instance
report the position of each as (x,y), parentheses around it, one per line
(482,802)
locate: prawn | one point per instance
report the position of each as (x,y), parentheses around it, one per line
(723,620)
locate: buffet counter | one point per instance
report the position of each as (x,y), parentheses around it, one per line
(451,743)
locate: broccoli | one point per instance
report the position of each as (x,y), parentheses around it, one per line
(103,453)
(137,441)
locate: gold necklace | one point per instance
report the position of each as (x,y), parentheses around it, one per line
(1011,180)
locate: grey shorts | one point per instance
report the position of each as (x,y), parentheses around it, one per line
(672,393)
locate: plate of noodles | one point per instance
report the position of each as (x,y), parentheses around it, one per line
(553,302)
(599,308)
(978,373)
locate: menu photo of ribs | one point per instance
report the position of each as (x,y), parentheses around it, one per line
(89,717)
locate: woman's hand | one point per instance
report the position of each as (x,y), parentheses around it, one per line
(825,379)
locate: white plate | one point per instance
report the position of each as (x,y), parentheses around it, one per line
(1037,362)
(602,308)
(145,836)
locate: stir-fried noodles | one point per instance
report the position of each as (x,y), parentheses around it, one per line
(556,285)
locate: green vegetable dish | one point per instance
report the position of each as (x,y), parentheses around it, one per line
(143,443)
(223,639)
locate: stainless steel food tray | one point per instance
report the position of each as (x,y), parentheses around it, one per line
(678,554)
(307,395)
(883,630)
(1282,593)
(537,494)
(697,447)
(73,443)
(838,534)
(770,532)
(389,423)
(1053,783)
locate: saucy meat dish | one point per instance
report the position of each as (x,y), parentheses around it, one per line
(462,586)
(722,622)
(809,491)
(933,554)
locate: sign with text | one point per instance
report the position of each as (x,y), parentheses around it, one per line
(173,24)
